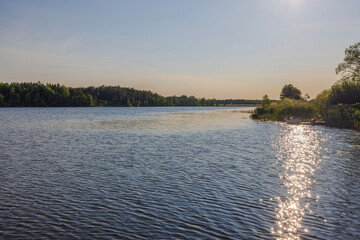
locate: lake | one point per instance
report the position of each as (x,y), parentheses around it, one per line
(174,173)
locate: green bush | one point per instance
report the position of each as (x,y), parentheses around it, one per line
(344,118)
(345,92)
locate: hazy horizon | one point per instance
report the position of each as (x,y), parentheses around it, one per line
(211,49)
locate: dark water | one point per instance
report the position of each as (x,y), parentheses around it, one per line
(174,173)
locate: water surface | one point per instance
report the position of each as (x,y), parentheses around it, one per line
(174,173)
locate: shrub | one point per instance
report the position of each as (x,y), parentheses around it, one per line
(346,92)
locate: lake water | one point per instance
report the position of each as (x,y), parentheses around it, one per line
(174,173)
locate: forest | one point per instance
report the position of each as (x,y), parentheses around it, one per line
(56,95)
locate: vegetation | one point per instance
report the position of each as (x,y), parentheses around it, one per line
(284,109)
(344,117)
(238,102)
(338,106)
(55,95)
(289,91)
(350,67)
(345,92)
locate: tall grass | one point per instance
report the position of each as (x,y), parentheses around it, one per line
(285,109)
(344,118)
(340,116)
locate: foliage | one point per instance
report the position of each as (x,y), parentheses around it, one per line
(321,102)
(306,97)
(289,91)
(345,92)
(55,95)
(350,67)
(266,101)
(344,117)
(339,106)
(347,89)
(285,109)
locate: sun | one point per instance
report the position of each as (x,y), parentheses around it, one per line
(295,2)
(293,5)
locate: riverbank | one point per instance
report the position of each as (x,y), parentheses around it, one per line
(310,113)
(336,107)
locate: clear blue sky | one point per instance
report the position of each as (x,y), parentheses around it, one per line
(221,49)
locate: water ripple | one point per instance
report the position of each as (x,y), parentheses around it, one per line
(174,173)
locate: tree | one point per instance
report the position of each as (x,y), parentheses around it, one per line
(265,101)
(347,92)
(28,99)
(350,67)
(289,91)
(128,103)
(51,95)
(347,89)
(1,99)
(321,101)
(306,96)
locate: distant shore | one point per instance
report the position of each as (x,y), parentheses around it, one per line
(56,95)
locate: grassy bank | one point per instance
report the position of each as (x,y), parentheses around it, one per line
(319,109)
(344,116)
(285,109)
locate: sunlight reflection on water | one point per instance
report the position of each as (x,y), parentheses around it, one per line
(164,122)
(299,148)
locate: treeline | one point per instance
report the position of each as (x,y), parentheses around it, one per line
(56,95)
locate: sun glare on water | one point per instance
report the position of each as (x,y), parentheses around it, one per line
(299,159)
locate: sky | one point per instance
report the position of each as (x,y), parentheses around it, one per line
(214,49)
